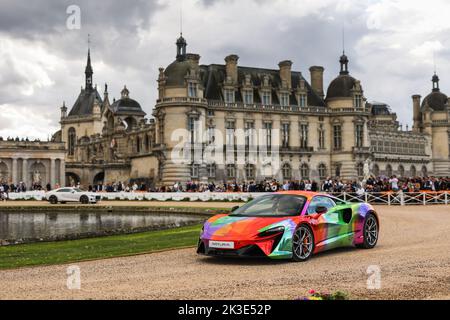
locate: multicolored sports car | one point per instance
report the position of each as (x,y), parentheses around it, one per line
(290,225)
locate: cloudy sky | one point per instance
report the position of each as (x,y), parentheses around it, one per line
(390,43)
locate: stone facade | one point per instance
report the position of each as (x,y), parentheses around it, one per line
(32,162)
(317,134)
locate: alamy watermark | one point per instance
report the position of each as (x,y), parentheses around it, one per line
(73,21)
(374,279)
(73,278)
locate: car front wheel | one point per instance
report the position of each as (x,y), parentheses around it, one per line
(84,200)
(370,232)
(302,243)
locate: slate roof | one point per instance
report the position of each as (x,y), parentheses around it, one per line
(341,87)
(127,106)
(84,104)
(436,101)
(214,75)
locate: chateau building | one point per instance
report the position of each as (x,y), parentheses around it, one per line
(315,132)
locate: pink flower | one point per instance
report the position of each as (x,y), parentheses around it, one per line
(312,291)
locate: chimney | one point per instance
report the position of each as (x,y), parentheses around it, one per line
(193,58)
(317,80)
(232,67)
(417,115)
(285,72)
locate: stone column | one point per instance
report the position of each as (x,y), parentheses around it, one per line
(14,171)
(52,173)
(62,173)
(25,172)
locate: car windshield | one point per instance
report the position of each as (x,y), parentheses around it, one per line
(272,205)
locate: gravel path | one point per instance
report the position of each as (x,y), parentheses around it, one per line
(413,254)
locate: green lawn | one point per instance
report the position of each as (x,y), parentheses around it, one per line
(96,248)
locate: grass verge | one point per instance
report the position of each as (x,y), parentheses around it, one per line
(60,252)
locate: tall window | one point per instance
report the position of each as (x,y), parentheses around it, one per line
(195,168)
(389,170)
(231,171)
(268,133)
(229,95)
(249,171)
(321,137)
(284,99)
(249,134)
(304,171)
(285,135)
(401,171)
(211,136)
(359,135)
(230,127)
(211,168)
(248,96)
(360,170)
(322,171)
(266,97)
(191,127)
(357,101)
(337,137)
(303,136)
(287,172)
(302,100)
(72,138)
(192,90)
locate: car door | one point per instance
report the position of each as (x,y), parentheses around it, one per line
(62,194)
(328,225)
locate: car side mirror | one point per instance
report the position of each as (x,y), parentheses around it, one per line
(234,208)
(321,210)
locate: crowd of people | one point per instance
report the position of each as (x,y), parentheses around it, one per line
(372,184)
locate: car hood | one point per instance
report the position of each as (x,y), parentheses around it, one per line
(226,227)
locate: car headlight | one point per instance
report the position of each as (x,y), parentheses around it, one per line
(271,232)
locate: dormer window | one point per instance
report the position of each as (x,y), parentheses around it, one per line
(284,99)
(192,90)
(266,98)
(357,101)
(248,96)
(302,102)
(229,95)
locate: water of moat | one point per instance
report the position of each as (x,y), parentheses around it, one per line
(20,227)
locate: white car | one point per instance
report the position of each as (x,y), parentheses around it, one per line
(69,194)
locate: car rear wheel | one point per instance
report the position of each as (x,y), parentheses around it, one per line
(302,243)
(84,200)
(53,200)
(370,232)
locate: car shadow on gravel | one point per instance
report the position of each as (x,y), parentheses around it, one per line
(239,261)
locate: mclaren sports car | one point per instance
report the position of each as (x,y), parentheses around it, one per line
(290,225)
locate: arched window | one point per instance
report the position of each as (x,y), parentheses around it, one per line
(401,171)
(249,171)
(322,171)
(376,170)
(424,171)
(413,171)
(287,172)
(389,170)
(360,170)
(72,138)
(304,171)
(337,170)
